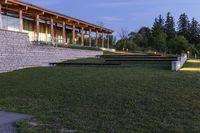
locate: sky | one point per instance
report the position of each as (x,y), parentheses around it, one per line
(118,14)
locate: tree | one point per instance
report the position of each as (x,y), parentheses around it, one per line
(158,42)
(143,36)
(169,27)
(194,37)
(183,26)
(158,25)
(158,38)
(132,35)
(179,45)
(125,42)
(124,34)
(112,41)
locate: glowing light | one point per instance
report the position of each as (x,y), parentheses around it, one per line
(190,69)
(178,65)
(120,52)
(113,50)
(193,61)
(185,56)
(104,49)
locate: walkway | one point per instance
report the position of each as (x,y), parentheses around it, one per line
(7,120)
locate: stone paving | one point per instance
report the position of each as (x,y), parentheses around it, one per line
(7,119)
(16,52)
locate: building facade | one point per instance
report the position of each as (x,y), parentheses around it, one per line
(48,27)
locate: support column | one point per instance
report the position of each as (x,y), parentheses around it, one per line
(21,20)
(37,26)
(102,39)
(56,34)
(108,40)
(64,32)
(82,36)
(46,31)
(97,39)
(1,22)
(52,31)
(90,39)
(73,35)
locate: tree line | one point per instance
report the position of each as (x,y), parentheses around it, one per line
(164,36)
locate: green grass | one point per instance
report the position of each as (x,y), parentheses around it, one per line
(141,98)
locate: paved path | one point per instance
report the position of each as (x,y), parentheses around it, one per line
(7,119)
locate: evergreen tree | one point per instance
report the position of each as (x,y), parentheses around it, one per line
(158,25)
(169,27)
(158,38)
(183,26)
(194,37)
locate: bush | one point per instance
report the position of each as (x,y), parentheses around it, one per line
(125,44)
(179,45)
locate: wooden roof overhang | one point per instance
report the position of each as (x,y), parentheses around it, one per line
(33,10)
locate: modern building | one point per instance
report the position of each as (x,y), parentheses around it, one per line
(49,27)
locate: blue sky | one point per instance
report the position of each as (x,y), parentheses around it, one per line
(117,14)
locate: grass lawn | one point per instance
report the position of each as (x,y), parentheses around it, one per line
(141,98)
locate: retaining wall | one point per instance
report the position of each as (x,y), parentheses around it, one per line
(16,52)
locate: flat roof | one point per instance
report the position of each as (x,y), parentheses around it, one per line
(16,4)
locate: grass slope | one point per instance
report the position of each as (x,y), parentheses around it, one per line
(104,100)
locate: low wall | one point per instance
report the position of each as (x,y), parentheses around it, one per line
(16,52)
(177,65)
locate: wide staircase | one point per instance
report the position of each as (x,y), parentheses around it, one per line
(192,65)
(16,52)
(139,59)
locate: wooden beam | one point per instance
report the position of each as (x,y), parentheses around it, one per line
(82,36)
(51,13)
(64,32)
(21,20)
(55,33)
(52,30)
(73,35)
(97,39)
(37,26)
(46,31)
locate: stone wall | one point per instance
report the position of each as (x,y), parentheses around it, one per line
(16,52)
